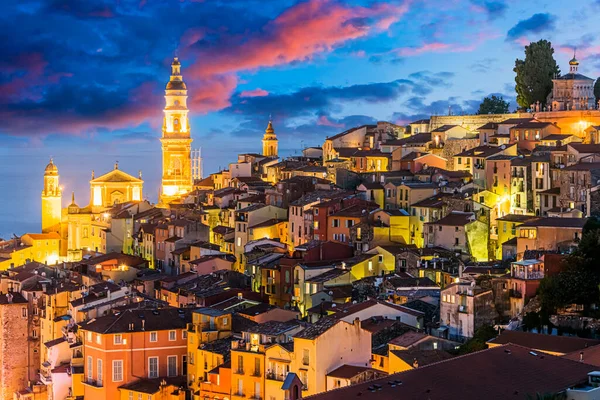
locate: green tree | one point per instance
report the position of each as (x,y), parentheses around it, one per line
(597,90)
(493,105)
(534,74)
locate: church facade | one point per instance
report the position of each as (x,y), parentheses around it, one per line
(572,91)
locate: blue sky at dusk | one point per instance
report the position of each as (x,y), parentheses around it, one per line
(83,81)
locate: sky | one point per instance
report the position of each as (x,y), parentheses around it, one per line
(83,81)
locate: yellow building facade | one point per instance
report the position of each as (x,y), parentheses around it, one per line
(176,140)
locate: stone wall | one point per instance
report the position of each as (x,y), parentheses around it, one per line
(13,349)
(470,122)
(455,146)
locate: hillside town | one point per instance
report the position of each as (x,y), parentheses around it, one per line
(387,262)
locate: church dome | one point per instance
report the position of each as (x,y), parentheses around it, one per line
(573,61)
(51,168)
(176,85)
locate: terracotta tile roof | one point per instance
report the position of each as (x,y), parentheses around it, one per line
(274,328)
(348,371)
(154,320)
(408,339)
(317,329)
(590,355)
(152,386)
(444,128)
(454,219)
(422,357)
(585,148)
(555,222)
(504,372)
(557,344)
(44,236)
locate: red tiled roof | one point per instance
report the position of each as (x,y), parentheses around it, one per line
(500,373)
(556,344)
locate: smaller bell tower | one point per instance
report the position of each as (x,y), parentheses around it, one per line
(269,141)
(51,200)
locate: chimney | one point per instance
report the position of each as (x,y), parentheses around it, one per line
(581,356)
(240,297)
(143,324)
(356,322)
(9,297)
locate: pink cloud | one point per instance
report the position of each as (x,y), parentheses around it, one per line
(441,47)
(213,92)
(254,93)
(298,34)
(325,121)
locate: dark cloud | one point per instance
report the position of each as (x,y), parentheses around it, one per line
(485,65)
(493,8)
(537,23)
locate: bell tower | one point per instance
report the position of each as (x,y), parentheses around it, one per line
(51,200)
(176,140)
(269,141)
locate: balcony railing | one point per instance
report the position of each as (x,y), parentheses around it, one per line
(276,377)
(92,382)
(239,371)
(528,275)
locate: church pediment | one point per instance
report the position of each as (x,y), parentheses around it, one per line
(116,175)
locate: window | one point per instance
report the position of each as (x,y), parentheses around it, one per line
(316,211)
(89,336)
(172,336)
(117,371)
(139,396)
(118,339)
(152,367)
(257,366)
(154,336)
(99,373)
(381,258)
(225,321)
(349,223)
(370,265)
(98,339)
(172,366)
(335,223)
(459,160)
(184,334)
(24,312)
(305,357)
(90,368)
(130,395)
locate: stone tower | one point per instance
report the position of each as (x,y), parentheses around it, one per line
(269,142)
(176,140)
(51,200)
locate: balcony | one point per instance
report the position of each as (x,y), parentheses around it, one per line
(276,377)
(514,293)
(239,371)
(528,274)
(45,378)
(257,373)
(92,383)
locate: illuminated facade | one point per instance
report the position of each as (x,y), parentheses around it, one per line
(51,200)
(269,142)
(572,91)
(176,140)
(115,187)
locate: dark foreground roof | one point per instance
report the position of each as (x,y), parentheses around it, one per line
(503,372)
(556,344)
